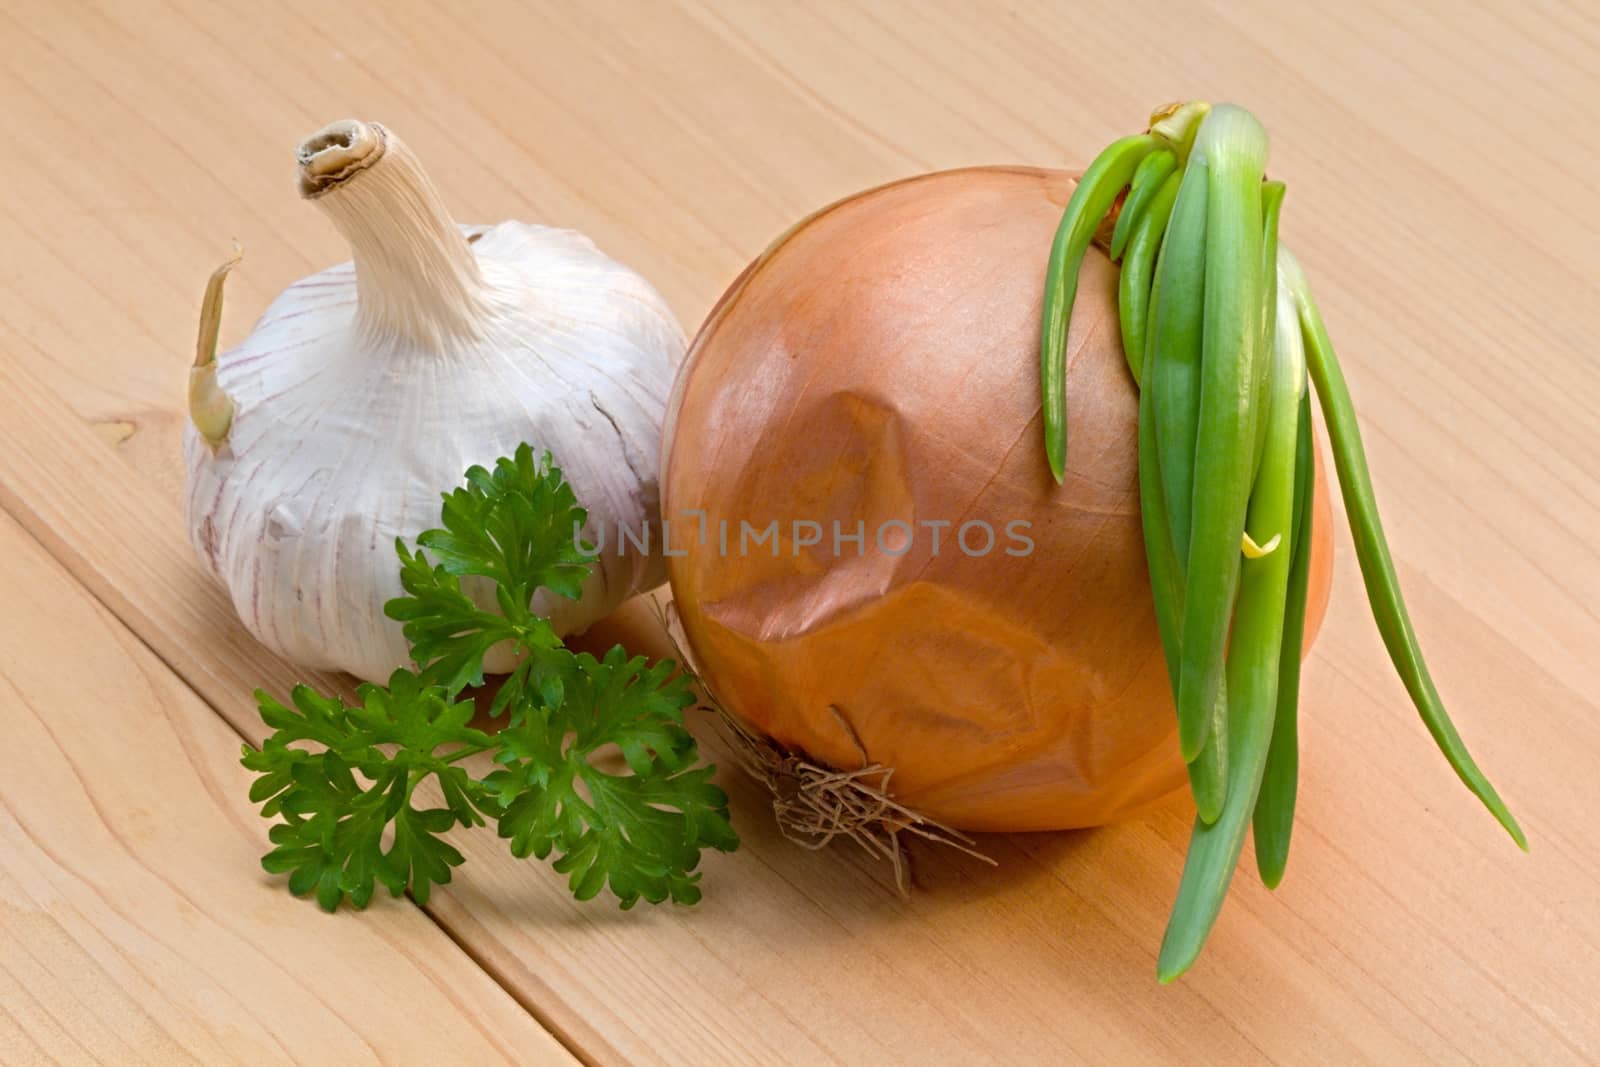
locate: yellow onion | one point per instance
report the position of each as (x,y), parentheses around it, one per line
(880,363)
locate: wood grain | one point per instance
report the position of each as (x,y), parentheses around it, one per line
(132,926)
(1441,199)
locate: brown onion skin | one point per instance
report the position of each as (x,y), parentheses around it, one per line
(880,362)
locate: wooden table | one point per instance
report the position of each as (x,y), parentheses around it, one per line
(1442,170)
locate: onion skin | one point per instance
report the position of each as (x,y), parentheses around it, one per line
(880,362)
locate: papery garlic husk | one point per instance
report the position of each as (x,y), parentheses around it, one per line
(367,390)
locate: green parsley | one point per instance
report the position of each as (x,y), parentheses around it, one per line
(342,779)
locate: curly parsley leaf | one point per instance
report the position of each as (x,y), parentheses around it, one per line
(515,528)
(342,778)
(448,632)
(337,802)
(515,525)
(640,832)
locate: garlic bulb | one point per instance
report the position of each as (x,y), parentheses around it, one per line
(366,390)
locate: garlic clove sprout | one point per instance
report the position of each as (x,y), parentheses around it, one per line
(364,391)
(211,409)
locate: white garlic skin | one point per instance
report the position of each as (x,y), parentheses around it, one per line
(348,426)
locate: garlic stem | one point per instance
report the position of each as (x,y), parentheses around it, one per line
(417,279)
(211,409)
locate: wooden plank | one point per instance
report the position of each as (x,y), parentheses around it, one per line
(806,957)
(1398,165)
(132,928)
(683,134)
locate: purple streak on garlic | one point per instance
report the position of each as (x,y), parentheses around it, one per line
(365,391)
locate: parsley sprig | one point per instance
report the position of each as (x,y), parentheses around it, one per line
(594,766)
